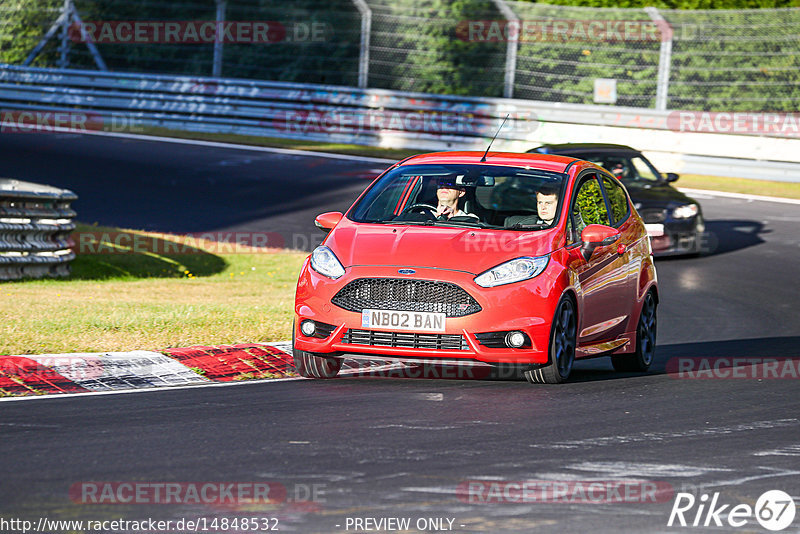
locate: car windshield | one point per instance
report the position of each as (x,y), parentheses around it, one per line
(484,196)
(632,171)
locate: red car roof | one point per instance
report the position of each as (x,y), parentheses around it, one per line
(546,162)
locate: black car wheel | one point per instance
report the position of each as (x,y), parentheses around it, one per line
(563,339)
(645,340)
(309,365)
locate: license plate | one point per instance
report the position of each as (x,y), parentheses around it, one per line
(403,320)
(654,230)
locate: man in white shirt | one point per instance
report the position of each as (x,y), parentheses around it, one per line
(449,195)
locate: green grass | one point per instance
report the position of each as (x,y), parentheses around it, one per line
(153,301)
(741,185)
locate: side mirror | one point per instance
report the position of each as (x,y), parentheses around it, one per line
(326,221)
(671,177)
(597,235)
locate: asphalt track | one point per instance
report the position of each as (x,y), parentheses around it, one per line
(188,188)
(385,447)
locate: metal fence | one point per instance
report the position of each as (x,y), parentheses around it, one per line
(84,101)
(49,100)
(35,223)
(743,60)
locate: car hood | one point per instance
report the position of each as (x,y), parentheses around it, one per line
(471,250)
(661,195)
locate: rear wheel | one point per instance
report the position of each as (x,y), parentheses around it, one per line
(563,335)
(310,365)
(645,340)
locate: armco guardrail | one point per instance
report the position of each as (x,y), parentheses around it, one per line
(35,223)
(93,100)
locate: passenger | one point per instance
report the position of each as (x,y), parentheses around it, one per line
(546,204)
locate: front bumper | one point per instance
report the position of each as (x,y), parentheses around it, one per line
(527,306)
(679,236)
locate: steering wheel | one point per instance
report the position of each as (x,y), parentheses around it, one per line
(422,208)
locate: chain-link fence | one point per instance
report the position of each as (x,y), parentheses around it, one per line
(740,60)
(563,50)
(414,47)
(746,60)
(313,41)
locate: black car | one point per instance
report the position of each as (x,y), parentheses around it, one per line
(674,221)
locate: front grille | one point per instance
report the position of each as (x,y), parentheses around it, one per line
(653,215)
(406,295)
(409,340)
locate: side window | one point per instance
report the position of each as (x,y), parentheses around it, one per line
(590,205)
(617,199)
(618,166)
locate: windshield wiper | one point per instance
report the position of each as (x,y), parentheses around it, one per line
(520,226)
(464,224)
(429,222)
(436,222)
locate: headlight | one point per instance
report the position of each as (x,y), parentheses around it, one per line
(324,261)
(685,211)
(512,271)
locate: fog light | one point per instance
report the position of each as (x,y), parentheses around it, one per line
(701,226)
(515,339)
(307,327)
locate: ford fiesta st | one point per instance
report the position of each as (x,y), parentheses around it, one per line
(497,259)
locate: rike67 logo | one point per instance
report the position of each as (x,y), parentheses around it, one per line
(774,510)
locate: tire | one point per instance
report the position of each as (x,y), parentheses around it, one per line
(646,330)
(309,365)
(563,339)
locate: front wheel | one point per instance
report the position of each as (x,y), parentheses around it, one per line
(645,340)
(309,365)
(312,366)
(563,339)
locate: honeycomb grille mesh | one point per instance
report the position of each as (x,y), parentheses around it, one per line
(406,295)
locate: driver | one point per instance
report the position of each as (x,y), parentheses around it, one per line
(450,196)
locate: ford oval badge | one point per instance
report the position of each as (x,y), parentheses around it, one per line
(406,271)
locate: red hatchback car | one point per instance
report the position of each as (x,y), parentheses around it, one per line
(498,259)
